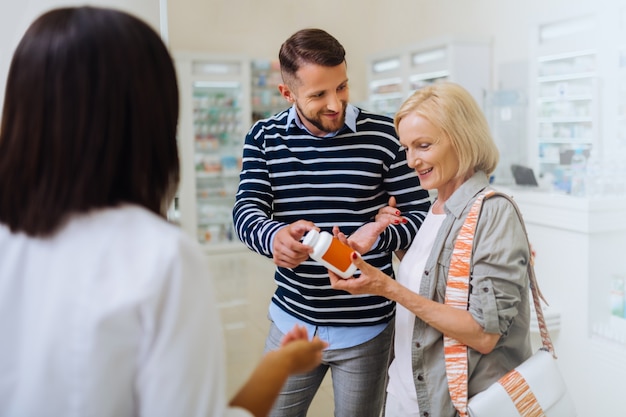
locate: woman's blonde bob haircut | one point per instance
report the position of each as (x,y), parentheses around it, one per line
(454,111)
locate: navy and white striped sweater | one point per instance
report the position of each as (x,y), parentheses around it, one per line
(288,175)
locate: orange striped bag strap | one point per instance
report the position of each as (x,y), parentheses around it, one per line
(457,295)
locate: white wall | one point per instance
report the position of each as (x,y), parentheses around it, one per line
(257,28)
(16,16)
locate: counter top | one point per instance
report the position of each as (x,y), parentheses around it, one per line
(579,214)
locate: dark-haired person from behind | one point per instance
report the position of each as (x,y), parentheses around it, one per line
(106,309)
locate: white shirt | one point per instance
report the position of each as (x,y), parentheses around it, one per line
(401,383)
(114,316)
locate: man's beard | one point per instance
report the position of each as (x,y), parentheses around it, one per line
(317,121)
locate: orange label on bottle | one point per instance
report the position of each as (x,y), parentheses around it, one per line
(338,255)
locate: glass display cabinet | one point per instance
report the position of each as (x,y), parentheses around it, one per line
(215,116)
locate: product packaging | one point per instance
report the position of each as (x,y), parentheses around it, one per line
(330,252)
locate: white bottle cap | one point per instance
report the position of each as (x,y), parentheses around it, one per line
(311,237)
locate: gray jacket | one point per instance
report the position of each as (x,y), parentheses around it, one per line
(499,297)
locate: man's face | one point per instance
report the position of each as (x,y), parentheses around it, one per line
(321,96)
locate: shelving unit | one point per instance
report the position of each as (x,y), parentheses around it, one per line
(506,112)
(620,57)
(394,75)
(578,101)
(621,104)
(608,323)
(387,84)
(566,95)
(465,61)
(266,100)
(215,115)
(567,110)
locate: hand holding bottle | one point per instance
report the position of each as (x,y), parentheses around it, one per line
(371,281)
(287,250)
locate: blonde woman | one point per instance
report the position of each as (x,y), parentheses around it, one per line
(448,144)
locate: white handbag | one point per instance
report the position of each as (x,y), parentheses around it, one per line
(533,389)
(545,395)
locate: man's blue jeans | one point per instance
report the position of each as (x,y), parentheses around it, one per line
(359,376)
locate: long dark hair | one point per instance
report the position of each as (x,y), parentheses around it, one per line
(89,120)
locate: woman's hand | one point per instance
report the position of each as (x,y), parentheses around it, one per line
(295,355)
(456,323)
(372,280)
(303,354)
(296,333)
(389,214)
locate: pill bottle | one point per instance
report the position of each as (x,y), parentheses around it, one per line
(331,252)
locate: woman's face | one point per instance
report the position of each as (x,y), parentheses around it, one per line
(430,153)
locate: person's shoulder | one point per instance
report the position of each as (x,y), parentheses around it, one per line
(498,197)
(371,116)
(275,120)
(139,219)
(375,122)
(130,227)
(154,240)
(272,126)
(500,205)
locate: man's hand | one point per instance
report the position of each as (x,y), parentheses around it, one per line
(365,236)
(288,251)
